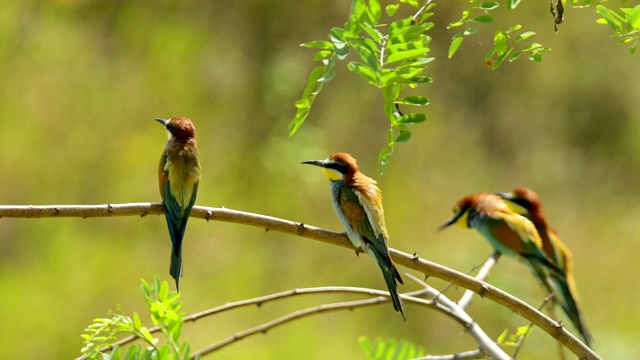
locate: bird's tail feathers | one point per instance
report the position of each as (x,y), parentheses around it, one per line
(391,275)
(176,267)
(569,305)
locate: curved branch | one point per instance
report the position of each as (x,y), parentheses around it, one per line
(554,328)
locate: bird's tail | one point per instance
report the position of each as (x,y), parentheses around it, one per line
(391,275)
(568,301)
(176,266)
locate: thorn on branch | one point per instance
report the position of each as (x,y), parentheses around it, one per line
(109,208)
(559,325)
(266,230)
(300,228)
(56,211)
(483,290)
(208,216)
(415,256)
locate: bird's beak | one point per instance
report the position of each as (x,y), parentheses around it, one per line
(162,121)
(320,163)
(454,219)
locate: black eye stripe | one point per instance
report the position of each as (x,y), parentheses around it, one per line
(338,167)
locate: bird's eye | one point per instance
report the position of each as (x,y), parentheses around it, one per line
(170,126)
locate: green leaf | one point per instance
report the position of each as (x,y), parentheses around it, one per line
(515,55)
(336,36)
(455,44)
(500,59)
(531,47)
(457,23)
(524,35)
(514,28)
(500,42)
(489,5)
(421,79)
(485,19)
(317,44)
(634,18)
(391,9)
(403,55)
(364,71)
(323,54)
(405,47)
(328,76)
(502,337)
(403,137)
(366,345)
(412,118)
(608,16)
(365,52)
(399,26)
(511,4)
(413,100)
(374,11)
(384,157)
(470,31)
(537,57)
(136,320)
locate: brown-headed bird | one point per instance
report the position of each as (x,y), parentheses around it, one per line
(357,201)
(179,175)
(566,289)
(502,224)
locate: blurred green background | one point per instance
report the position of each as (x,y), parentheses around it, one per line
(82,81)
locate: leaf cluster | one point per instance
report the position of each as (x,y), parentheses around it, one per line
(381,349)
(625,23)
(164,309)
(506,45)
(388,56)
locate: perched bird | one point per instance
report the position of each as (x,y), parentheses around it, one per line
(179,174)
(567,292)
(508,232)
(357,202)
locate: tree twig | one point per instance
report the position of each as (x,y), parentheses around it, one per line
(482,275)
(553,328)
(467,355)
(485,343)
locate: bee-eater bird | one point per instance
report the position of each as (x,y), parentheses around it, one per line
(567,292)
(502,224)
(179,174)
(357,201)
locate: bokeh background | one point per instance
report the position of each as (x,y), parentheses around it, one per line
(83,80)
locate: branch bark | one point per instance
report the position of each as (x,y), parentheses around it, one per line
(554,328)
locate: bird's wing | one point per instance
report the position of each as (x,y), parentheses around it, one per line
(173,213)
(523,238)
(355,213)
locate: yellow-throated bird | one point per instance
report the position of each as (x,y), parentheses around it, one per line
(567,292)
(502,224)
(179,175)
(357,202)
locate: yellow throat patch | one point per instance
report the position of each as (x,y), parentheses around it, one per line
(332,174)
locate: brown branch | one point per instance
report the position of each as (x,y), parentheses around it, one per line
(553,328)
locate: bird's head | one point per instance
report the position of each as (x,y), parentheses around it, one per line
(528,200)
(180,128)
(461,213)
(337,166)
